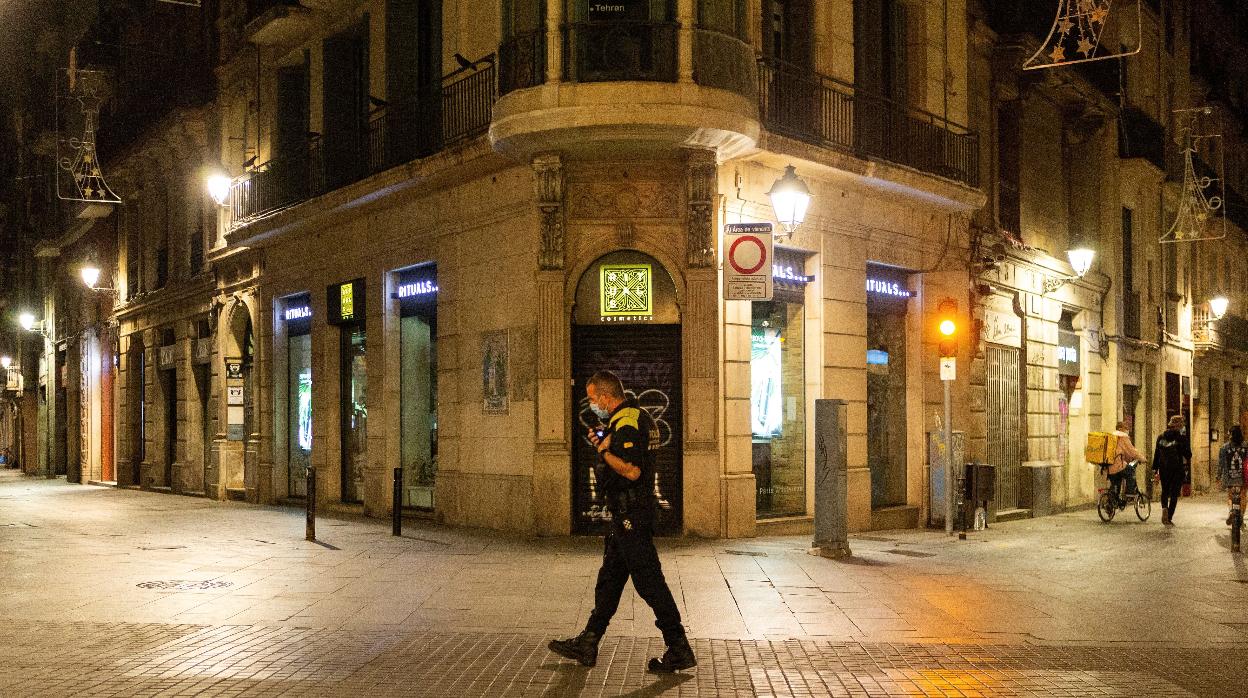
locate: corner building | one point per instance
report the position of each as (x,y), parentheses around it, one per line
(445,216)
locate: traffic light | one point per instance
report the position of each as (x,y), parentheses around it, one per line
(947,324)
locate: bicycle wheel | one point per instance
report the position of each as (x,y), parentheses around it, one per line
(1143,506)
(1106,507)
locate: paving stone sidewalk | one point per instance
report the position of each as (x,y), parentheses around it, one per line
(118,592)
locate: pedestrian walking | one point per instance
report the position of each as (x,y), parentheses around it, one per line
(625,477)
(1231,460)
(1171,458)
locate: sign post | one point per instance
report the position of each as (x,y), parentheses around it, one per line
(747,262)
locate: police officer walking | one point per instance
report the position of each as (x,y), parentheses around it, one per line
(625,475)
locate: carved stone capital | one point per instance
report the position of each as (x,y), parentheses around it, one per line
(701,189)
(549,170)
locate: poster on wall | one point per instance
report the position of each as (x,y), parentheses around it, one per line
(494,372)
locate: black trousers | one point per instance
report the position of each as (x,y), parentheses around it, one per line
(1171,487)
(629,552)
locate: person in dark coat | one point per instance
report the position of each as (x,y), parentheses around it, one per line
(1171,457)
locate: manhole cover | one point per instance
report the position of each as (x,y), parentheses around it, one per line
(751,553)
(185,585)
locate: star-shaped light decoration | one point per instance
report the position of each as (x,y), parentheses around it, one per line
(1059,54)
(1065,25)
(1086,47)
(1099,14)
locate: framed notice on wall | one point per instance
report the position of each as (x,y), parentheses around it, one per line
(494,372)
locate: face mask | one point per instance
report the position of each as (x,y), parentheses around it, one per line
(602,414)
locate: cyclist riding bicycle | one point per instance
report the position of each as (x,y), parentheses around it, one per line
(1125,456)
(1231,460)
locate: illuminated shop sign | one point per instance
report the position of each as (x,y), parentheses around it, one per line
(345,302)
(412,289)
(786,273)
(626,292)
(887,288)
(299,312)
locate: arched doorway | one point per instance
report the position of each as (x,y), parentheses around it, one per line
(626,320)
(239,354)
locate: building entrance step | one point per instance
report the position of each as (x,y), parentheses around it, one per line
(1013,514)
(895,517)
(236,495)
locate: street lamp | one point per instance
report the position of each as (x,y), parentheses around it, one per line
(6,362)
(1080,260)
(91,276)
(1218,304)
(1080,257)
(219,187)
(789,199)
(28,323)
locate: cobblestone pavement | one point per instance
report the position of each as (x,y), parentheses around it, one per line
(118,592)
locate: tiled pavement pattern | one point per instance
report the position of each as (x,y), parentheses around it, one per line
(115,592)
(60,659)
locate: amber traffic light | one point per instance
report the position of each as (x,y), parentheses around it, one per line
(947,324)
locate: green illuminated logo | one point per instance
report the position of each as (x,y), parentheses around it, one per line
(627,289)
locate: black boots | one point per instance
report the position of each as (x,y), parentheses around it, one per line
(679,656)
(583,648)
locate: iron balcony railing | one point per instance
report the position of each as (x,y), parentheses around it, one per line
(456,109)
(1230,332)
(522,61)
(815,108)
(603,51)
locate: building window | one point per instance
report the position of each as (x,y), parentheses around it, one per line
(1009,140)
(354,404)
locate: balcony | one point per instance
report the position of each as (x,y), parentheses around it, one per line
(1229,333)
(448,113)
(620,50)
(814,108)
(272,22)
(522,61)
(1139,136)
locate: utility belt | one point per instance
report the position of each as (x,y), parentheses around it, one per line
(633,500)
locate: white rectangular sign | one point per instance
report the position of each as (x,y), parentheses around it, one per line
(234,395)
(948,368)
(747,262)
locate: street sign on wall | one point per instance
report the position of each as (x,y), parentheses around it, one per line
(747,262)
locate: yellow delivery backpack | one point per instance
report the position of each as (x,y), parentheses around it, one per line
(1102,447)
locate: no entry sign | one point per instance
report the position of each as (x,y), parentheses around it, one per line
(747,262)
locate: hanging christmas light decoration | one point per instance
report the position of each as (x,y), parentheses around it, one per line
(1078,27)
(78,174)
(1202,201)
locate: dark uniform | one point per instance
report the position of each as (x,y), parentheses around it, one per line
(629,547)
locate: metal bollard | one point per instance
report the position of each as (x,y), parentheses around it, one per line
(396,507)
(310,533)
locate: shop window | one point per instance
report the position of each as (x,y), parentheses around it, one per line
(418,389)
(297,314)
(887,302)
(778,405)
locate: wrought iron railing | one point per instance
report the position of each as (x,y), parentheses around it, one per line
(457,108)
(802,104)
(620,50)
(1229,332)
(522,61)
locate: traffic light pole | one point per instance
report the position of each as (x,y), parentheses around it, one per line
(949,467)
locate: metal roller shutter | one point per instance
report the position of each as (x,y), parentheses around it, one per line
(647,360)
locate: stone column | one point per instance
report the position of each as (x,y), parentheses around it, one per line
(551,495)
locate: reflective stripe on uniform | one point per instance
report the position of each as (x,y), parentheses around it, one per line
(627,417)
